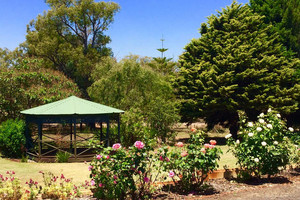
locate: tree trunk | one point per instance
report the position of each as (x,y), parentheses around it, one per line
(234,125)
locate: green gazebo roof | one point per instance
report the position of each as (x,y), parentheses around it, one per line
(72,106)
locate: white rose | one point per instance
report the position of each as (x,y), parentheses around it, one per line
(259,129)
(280,168)
(264,143)
(228,136)
(237,141)
(261,121)
(278,115)
(275,143)
(291,129)
(250,134)
(269,126)
(250,124)
(256,160)
(269,110)
(262,114)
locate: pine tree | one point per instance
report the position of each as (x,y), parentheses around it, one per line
(284,15)
(236,65)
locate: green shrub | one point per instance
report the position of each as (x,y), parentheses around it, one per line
(62,157)
(264,147)
(12,138)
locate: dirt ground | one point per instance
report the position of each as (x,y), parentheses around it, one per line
(286,186)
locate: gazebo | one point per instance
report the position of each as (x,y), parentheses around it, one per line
(72,110)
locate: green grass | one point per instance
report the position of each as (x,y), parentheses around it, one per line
(77,171)
(227,158)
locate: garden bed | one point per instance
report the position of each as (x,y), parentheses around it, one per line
(286,184)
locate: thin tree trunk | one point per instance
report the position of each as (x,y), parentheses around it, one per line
(234,125)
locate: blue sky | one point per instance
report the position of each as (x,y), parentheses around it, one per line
(137,28)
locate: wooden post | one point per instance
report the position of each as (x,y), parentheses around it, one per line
(119,137)
(101,131)
(71,140)
(75,146)
(40,139)
(107,133)
(28,143)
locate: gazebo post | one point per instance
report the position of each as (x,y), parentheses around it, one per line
(71,140)
(40,139)
(101,131)
(119,137)
(107,133)
(28,144)
(75,146)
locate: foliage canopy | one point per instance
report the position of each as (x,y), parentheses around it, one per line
(236,64)
(133,86)
(70,36)
(28,84)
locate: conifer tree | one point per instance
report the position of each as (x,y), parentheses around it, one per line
(284,15)
(236,65)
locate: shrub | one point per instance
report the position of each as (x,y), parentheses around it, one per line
(12,139)
(119,173)
(62,157)
(190,165)
(264,147)
(133,127)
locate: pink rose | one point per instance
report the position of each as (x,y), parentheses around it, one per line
(171,174)
(90,167)
(99,157)
(211,146)
(184,154)
(206,146)
(116,146)
(146,179)
(115,177)
(213,142)
(161,158)
(179,144)
(92,182)
(100,184)
(203,150)
(107,157)
(139,144)
(115,182)
(167,159)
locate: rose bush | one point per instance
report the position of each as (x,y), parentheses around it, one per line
(189,167)
(263,147)
(120,173)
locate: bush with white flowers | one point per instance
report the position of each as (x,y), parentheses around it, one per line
(263,147)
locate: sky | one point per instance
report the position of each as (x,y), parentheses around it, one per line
(137,28)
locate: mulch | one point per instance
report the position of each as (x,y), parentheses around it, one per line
(288,180)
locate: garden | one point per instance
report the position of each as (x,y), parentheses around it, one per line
(264,152)
(222,121)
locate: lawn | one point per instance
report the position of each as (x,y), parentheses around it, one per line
(77,171)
